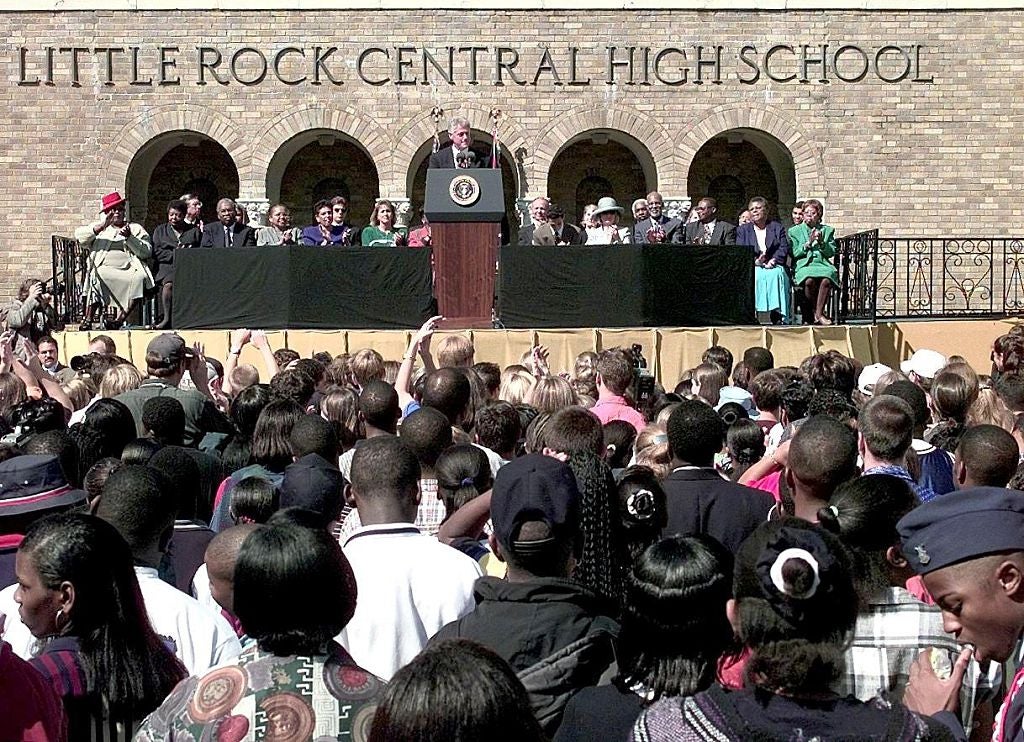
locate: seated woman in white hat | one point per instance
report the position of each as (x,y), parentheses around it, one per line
(607,231)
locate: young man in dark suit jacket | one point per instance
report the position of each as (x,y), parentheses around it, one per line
(557,231)
(722,232)
(700,499)
(225,232)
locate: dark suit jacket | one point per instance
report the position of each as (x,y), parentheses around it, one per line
(775,240)
(445,158)
(545,235)
(724,234)
(213,236)
(700,501)
(672,228)
(165,242)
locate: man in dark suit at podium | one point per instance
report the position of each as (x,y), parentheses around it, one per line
(225,232)
(459,153)
(709,229)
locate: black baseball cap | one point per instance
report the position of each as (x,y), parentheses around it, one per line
(534,488)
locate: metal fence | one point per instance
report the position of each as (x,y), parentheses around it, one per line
(884,278)
(68,260)
(856,261)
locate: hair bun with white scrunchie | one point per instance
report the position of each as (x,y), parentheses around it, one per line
(796,568)
(795,574)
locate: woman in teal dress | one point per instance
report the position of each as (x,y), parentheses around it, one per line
(382,232)
(814,246)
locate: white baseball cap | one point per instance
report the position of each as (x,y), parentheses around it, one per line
(870,376)
(924,362)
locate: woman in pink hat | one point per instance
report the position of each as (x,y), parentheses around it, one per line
(116,272)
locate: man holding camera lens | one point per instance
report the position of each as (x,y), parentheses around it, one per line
(31,316)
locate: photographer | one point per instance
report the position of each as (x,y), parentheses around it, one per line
(31,316)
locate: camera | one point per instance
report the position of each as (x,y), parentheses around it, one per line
(643,379)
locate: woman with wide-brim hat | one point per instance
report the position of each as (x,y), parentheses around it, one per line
(607,231)
(116,273)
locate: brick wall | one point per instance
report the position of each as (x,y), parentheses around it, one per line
(909,158)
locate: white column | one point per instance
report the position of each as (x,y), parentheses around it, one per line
(256,210)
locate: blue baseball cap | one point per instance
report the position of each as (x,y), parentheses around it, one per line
(961,526)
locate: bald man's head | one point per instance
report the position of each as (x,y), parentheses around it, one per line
(221,555)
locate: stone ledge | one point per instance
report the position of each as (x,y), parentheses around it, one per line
(79,6)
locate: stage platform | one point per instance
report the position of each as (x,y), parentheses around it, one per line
(669,351)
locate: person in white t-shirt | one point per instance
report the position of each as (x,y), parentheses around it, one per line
(139,502)
(409,584)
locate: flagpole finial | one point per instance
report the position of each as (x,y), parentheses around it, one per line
(436,113)
(495,144)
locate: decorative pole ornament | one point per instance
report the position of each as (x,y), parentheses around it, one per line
(495,144)
(436,113)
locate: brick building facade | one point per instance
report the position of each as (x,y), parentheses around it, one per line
(905,121)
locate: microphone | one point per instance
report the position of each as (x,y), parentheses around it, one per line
(465,158)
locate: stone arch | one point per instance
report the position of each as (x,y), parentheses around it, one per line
(309,121)
(764,126)
(177,162)
(421,129)
(185,117)
(315,154)
(660,172)
(598,163)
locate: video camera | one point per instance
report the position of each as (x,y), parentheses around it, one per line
(643,379)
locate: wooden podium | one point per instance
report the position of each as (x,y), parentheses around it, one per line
(465,208)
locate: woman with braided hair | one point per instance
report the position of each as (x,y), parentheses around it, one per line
(674,629)
(603,559)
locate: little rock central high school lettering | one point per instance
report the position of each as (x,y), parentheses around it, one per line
(627,64)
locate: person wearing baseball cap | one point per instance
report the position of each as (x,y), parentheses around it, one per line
(869,376)
(167,360)
(532,617)
(923,366)
(968,546)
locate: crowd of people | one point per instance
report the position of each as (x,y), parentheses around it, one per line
(435,547)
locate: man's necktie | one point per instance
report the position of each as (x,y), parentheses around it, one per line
(708,231)
(227,237)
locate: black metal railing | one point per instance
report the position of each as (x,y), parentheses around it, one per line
(885,278)
(69,261)
(857,265)
(941,277)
